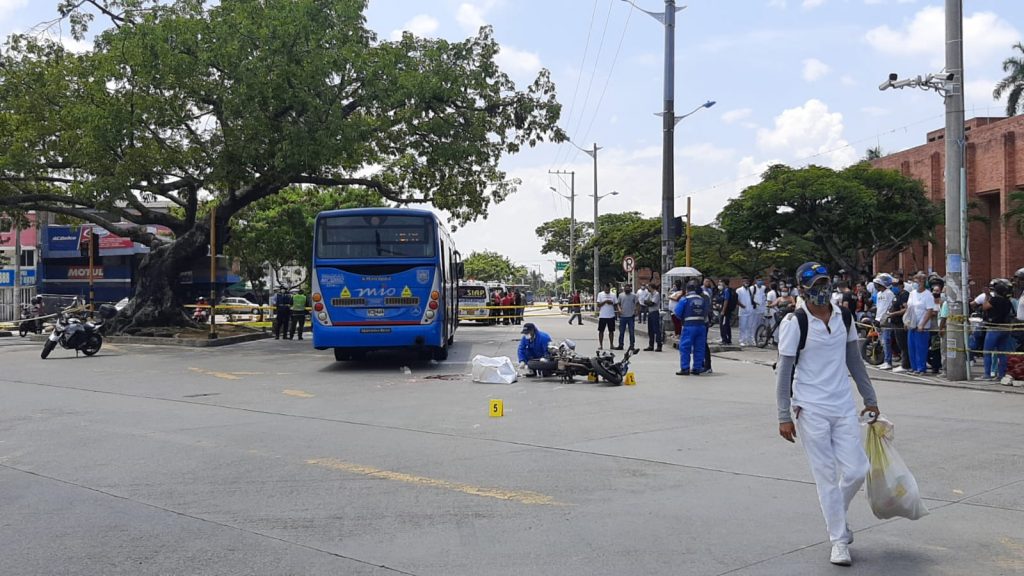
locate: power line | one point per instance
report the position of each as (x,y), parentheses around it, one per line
(579,77)
(593,72)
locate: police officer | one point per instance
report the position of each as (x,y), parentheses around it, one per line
(693,311)
(283,314)
(655,335)
(298,315)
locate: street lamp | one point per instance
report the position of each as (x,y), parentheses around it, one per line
(597,287)
(572,227)
(668,20)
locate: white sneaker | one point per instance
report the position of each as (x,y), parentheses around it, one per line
(1007,380)
(885,366)
(899,369)
(840,555)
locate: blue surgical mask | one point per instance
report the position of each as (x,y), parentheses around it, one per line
(760,283)
(895,289)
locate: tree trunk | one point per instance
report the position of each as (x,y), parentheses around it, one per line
(158,299)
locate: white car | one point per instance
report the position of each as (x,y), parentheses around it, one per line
(238,305)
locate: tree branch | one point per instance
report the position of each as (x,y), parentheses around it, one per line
(383,189)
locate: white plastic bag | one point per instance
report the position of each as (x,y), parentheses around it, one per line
(498,370)
(892,489)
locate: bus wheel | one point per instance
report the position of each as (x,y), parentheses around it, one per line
(341,356)
(441,354)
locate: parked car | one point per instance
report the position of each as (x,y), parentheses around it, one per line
(237,307)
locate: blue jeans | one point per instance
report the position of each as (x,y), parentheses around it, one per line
(886,338)
(917,342)
(692,341)
(627,322)
(654,334)
(997,340)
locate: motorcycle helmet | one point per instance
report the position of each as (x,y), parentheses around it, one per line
(810,272)
(884,280)
(934,279)
(1000,286)
(1019,274)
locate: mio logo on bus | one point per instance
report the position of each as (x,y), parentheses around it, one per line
(368,292)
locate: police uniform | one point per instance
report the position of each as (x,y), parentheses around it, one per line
(693,311)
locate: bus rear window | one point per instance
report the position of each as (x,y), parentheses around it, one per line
(473,292)
(375,236)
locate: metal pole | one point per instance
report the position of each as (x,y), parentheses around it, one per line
(689,236)
(956,358)
(668,122)
(213,272)
(597,260)
(92,264)
(17,258)
(572,232)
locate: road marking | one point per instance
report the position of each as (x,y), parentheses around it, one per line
(297,393)
(215,374)
(520,496)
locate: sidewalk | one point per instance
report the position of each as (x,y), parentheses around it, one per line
(641,335)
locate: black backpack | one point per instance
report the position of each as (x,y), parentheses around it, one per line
(801,320)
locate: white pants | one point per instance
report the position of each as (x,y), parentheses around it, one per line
(835,452)
(748,324)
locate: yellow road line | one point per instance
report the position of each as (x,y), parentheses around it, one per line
(215,374)
(297,393)
(520,496)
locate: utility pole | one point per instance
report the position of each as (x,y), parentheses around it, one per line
(572,224)
(597,251)
(956,195)
(689,235)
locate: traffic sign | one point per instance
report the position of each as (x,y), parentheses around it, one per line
(628,264)
(560,266)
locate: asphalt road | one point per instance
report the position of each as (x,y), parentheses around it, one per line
(270,458)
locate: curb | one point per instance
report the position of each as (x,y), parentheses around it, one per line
(186,342)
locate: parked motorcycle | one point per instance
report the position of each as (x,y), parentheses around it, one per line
(29,322)
(871,347)
(563,361)
(74,334)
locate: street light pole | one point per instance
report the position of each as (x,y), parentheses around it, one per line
(956,189)
(572,224)
(593,154)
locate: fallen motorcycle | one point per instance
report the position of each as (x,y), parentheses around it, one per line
(74,334)
(563,361)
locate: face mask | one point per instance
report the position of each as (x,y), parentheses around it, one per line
(721,286)
(914,286)
(760,283)
(819,295)
(895,289)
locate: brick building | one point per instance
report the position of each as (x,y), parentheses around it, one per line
(995,168)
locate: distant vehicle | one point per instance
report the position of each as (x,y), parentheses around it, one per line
(384,278)
(237,306)
(473,302)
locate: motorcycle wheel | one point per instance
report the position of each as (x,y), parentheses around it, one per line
(92,345)
(610,376)
(761,336)
(22,330)
(871,351)
(47,348)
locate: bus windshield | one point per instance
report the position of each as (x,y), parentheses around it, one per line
(375,236)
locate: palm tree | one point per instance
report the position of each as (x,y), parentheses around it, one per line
(1016,213)
(1013,84)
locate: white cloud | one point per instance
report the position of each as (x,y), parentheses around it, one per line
(732,116)
(419,25)
(76,46)
(777,4)
(848,80)
(9,6)
(707,153)
(979,93)
(986,37)
(814,69)
(471,16)
(809,133)
(517,62)
(808,4)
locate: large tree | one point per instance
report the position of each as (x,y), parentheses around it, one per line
(849,215)
(222,105)
(555,235)
(488,266)
(1013,84)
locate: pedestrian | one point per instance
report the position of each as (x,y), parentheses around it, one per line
(883,305)
(693,310)
(899,308)
(576,305)
(605,316)
(641,298)
(508,301)
(517,300)
(282,314)
(813,382)
(655,335)
(998,315)
(674,297)
(760,297)
(627,317)
(919,320)
(729,303)
(745,298)
(298,315)
(935,341)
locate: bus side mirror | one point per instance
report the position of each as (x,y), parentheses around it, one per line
(460,270)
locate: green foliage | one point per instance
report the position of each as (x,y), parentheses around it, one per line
(1013,83)
(183,100)
(1015,214)
(278,230)
(844,216)
(555,234)
(488,266)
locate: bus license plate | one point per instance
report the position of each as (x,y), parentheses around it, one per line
(375,312)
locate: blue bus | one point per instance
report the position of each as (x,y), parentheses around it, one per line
(384,278)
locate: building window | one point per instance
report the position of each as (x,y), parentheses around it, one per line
(28,258)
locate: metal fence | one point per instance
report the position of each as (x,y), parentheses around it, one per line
(11,300)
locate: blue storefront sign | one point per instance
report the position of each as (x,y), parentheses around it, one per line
(28,278)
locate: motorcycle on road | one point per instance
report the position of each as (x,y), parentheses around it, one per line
(563,361)
(74,334)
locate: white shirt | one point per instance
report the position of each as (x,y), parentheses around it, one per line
(820,383)
(1020,308)
(760,298)
(917,306)
(607,303)
(743,295)
(641,296)
(883,304)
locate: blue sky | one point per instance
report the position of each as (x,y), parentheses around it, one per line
(795,81)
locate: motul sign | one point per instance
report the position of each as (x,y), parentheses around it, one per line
(82,273)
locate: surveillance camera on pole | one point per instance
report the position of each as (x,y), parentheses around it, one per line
(941,82)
